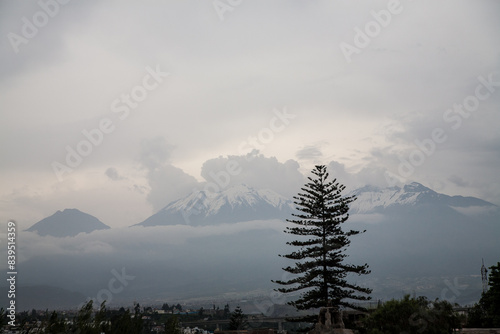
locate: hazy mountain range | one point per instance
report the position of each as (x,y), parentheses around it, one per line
(227,244)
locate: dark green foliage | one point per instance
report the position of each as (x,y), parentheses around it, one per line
(3,319)
(55,324)
(487,312)
(102,321)
(172,308)
(83,322)
(238,320)
(137,308)
(172,326)
(319,269)
(125,323)
(226,310)
(412,315)
(88,323)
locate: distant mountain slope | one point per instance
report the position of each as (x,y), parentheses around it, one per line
(67,223)
(413,230)
(44,297)
(373,199)
(235,204)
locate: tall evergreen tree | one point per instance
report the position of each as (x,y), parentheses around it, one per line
(319,270)
(238,320)
(226,311)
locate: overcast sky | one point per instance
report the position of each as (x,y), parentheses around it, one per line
(118,107)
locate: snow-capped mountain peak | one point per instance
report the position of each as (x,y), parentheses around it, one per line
(233,204)
(373,199)
(241,203)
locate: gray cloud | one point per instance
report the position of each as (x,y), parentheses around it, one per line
(155,152)
(254,170)
(226,79)
(112,173)
(37,45)
(458,181)
(185,256)
(372,175)
(309,152)
(166,182)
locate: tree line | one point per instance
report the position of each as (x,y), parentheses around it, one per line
(139,320)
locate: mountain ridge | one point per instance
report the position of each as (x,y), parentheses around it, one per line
(67,223)
(373,199)
(238,203)
(242,203)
